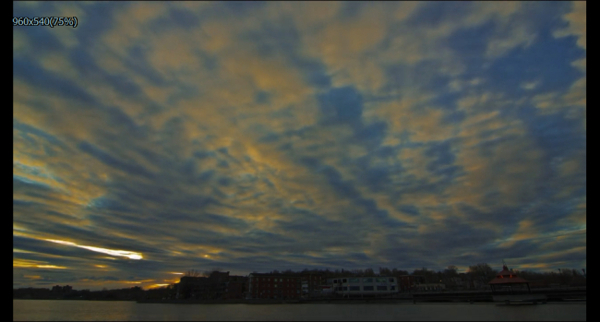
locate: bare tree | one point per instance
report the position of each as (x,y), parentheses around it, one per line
(384,271)
(192,273)
(451,271)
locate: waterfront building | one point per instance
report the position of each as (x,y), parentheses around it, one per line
(236,287)
(431,287)
(311,284)
(274,286)
(408,283)
(363,286)
(206,288)
(507,287)
(508,281)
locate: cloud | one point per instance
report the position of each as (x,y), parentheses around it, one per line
(576,20)
(128,254)
(529,85)
(289,135)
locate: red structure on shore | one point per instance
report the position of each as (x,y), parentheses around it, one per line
(507,280)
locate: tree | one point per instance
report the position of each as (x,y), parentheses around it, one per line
(384,271)
(358,272)
(399,272)
(451,270)
(192,273)
(428,275)
(482,270)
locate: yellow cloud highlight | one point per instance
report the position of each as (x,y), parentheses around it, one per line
(415,162)
(412,114)
(530,85)
(574,100)
(270,75)
(536,265)
(342,44)
(525,231)
(516,35)
(552,256)
(22,251)
(577,23)
(156,286)
(130,24)
(580,64)
(166,60)
(493,166)
(33,277)
(306,15)
(138,282)
(121,253)
(25,263)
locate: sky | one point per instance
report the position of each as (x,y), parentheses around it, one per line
(155,138)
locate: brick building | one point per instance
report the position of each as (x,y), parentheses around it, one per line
(206,288)
(236,287)
(274,286)
(407,283)
(311,283)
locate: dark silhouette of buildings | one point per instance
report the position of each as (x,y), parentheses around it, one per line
(312,284)
(218,285)
(274,286)
(408,283)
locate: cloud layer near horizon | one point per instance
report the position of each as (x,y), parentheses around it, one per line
(158,137)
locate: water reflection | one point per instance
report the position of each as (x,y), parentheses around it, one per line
(46,310)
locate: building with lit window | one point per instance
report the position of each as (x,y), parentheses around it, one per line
(408,283)
(311,284)
(274,286)
(351,286)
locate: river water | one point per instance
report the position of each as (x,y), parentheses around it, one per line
(46,310)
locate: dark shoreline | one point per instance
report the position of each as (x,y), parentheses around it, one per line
(553,295)
(344,301)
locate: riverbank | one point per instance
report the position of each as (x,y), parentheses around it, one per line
(132,311)
(552,295)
